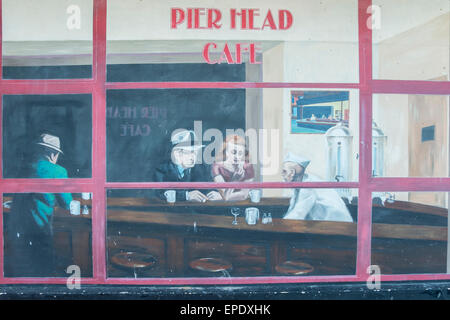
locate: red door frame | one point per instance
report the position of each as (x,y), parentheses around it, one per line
(97,87)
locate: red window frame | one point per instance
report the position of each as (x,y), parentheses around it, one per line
(97,86)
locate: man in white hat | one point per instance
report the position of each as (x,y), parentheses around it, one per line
(311,204)
(183,167)
(30,228)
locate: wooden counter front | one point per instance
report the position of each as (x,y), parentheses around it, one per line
(329,246)
(177,238)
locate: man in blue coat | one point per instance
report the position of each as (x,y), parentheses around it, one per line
(29,247)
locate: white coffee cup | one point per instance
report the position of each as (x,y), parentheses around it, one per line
(255,195)
(170,196)
(85,195)
(75,207)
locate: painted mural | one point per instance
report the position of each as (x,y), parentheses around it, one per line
(318,111)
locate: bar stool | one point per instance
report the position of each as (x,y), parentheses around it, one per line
(133,261)
(294,268)
(211,266)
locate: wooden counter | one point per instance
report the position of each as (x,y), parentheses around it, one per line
(279,225)
(224,222)
(329,246)
(177,238)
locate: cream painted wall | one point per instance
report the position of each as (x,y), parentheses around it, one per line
(150,20)
(390,112)
(407,56)
(276,106)
(313,20)
(313,146)
(421,53)
(276,114)
(45,20)
(398,16)
(332,61)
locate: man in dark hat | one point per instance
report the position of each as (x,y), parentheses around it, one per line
(183,167)
(29,247)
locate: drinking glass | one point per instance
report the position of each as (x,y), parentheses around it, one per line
(235,212)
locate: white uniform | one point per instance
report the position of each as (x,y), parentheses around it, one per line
(317,204)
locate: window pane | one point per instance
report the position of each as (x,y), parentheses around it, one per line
(319,126)
(37,128)
(50,39)
(47,234)
(238,135)
(290,41)
(411,39)
(140,126)
(410,135)
(149,237)
(409,232)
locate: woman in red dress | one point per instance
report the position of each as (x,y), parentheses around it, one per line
(232,165)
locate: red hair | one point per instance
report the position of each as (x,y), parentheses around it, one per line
(235,139)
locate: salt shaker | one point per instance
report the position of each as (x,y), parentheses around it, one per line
(85,210)
(265,219)
(85,196)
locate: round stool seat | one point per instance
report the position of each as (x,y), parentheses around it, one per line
(295,268)
(133,260)
(211,265)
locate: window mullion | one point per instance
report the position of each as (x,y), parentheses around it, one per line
(99,142)
(365,127)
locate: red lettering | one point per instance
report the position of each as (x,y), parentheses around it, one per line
(251,14)
(177,17)
(197,13)
(189,18)
(285,19)
(243,16)
(253,49)
(206,52)
(238,53)
(214,17)
(227,53)
(269,22)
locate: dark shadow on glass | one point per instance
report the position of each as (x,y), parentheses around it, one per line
(175,72)
(409,232)
(46,233)
(60,123)
(140,124)
(47,72)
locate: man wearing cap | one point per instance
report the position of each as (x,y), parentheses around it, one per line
(183,167)
(30,232)
(311,204)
